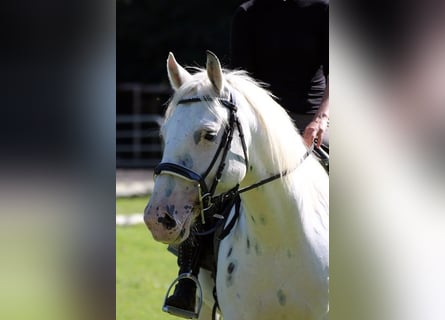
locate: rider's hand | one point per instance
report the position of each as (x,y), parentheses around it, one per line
(315,130)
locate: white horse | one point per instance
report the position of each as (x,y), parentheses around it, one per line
(274,264)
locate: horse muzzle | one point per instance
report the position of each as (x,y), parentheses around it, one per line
(170,216)
(166,227)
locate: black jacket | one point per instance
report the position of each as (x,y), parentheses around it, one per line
(285,44)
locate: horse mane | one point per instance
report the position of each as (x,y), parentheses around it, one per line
(285,143)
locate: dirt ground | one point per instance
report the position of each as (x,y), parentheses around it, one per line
(133,182)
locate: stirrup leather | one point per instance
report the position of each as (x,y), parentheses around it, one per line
(181,312)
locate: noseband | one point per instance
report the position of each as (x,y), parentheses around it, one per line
(206,195)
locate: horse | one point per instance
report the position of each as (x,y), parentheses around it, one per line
(225,134)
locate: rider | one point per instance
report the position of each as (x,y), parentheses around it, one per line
(266,31)
(184,295)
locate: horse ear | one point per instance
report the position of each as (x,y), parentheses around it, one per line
(176,74)
(214,71)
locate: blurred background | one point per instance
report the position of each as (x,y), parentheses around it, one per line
(70,68)
(146,32)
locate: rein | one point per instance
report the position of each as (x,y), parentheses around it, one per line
(235,192)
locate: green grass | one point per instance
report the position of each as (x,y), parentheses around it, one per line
(144,269)
(131,205)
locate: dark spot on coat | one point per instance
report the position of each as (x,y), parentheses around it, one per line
(230,272)
(281,297)
(171,183)
(251,168)
(197,136)
(253,219)
(186,160)
(230,267)
(247,245)
(230,252)
(263,220)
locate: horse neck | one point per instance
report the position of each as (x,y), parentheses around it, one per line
(285,203)
(273,207)
(272,215)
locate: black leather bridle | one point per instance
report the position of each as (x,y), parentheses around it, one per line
(206,195)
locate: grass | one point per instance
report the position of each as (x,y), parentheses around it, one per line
(131,205)
(144,268)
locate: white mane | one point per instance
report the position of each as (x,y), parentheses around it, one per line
(284,141)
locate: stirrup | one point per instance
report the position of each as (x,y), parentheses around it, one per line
(181,312)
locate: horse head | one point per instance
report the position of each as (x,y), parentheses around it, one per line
(200,158)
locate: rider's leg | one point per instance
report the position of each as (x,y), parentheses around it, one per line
(184,295)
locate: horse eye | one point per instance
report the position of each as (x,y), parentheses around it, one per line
(210,136)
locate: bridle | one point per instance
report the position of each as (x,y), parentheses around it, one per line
(206,195)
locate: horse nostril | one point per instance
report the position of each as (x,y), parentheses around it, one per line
(167,221)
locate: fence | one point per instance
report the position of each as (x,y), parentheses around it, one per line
(138,119)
